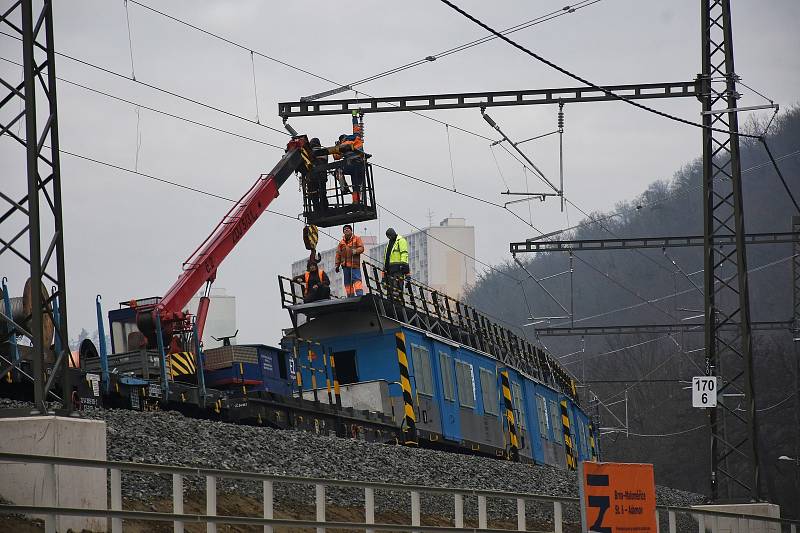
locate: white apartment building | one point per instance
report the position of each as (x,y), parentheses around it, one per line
(437,257)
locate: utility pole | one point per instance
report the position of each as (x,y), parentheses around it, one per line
(37,215)
(733,435)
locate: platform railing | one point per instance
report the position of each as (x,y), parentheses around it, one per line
(406,299)
(699,520)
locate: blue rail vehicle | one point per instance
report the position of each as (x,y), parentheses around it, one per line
(450,377)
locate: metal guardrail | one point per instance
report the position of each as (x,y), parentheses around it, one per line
(703,518)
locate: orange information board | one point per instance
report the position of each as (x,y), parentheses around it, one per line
(617,497)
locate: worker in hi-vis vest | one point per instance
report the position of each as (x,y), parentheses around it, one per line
(348,258)
(396,260)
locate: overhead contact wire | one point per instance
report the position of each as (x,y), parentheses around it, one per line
(583,80)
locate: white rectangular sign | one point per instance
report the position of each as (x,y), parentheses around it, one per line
(704,391)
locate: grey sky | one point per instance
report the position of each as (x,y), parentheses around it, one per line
(126,236)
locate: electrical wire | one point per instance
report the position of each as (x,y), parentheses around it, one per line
(483,263)
(672,295)
(622,285)
(460,193)
(229,41)
(778,171)
(676,433)
(130,39)
(585,81)
(157,88)
(524,25)
(156,110)
(287,64)
(792,395)
(655,203)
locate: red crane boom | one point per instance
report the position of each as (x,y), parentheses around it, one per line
(201,266)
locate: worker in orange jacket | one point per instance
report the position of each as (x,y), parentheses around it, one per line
(316,285)
(348,258)
(354,164)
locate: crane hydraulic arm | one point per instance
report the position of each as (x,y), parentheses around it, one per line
(201,267)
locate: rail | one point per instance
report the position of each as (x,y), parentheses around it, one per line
(701,518)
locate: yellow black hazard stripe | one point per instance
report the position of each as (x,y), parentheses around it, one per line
(509,406)
(572,462)
(181,364)
(310,237)
(307,156)
(592,446)
(409,419)
(336,390)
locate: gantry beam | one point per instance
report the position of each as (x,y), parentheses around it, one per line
(532,245)
(428,102)
(770,325)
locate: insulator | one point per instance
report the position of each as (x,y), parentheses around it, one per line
(560,117)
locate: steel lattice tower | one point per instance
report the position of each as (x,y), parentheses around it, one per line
(734,456)
(37,215)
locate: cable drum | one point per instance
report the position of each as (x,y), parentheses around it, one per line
(21,307)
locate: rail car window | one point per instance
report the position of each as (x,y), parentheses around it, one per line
(519,405)
(466,384)
(422,369)
(447,377)
(346,369)
(544,420)
(558,429)
(489,391)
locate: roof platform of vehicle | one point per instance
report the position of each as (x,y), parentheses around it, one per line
(334,305)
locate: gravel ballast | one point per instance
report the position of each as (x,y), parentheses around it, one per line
(173,439)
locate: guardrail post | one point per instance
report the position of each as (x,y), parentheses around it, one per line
(319,489)
(177,501)
(521,514)
(269,503)
(458,502)
(369,507)
(558,526)
(658,522)
(701,523)
(50,496)
(482,522)
(211,502)
(673,526)
(416,511)
(116,499)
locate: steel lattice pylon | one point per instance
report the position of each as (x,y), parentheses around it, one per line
(37,215)
(734,456)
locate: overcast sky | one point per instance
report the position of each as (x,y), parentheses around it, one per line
(126,236)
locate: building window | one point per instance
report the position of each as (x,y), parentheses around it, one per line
(555,414)
(519,405)
(447,377)
(466,384)
(544,419)
(489,392)
(422,369)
